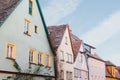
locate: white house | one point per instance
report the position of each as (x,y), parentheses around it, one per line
(80,61)
(61,41)
(25,52)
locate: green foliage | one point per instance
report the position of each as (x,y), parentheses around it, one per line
(16,66)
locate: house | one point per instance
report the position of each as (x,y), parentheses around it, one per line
(111,72)
(25,52)
(96,66)
(80,61)
(61,42)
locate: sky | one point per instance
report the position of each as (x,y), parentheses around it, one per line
(96,22)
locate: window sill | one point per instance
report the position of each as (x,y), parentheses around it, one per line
(69,62)
(10,58)
(27,34)
(40,64)
(32,63)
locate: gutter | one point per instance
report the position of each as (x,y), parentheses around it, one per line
(46,30)
(86,58)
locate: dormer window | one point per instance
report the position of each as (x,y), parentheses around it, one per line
(30,7)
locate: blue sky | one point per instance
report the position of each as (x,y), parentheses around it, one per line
(96,22)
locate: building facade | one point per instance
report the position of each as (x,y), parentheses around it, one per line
(80,62)
(96,66)
(112,72)
(61,41)
(25,52)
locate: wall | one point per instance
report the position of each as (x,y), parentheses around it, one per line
(96,69)
(13,31)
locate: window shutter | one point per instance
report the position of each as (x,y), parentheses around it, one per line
(34,57)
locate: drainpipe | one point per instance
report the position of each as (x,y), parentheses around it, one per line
(86,58)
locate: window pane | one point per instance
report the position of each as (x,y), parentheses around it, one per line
(40,58)
(26,25)
(30,7)
(30,56)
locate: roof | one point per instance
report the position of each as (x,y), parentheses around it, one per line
(76,42)
(6,7)
(89,45)
(95,56)
(56,34)
(109,63)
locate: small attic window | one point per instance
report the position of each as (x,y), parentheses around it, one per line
(30,7)
(66,40)
(36,29)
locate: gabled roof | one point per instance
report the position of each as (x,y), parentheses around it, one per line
(6,7)
(76,43)
(56,34)
(89,45)
(109,63)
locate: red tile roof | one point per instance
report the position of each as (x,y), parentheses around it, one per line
(56,34)
(6,7)
(76,42)
(109,63)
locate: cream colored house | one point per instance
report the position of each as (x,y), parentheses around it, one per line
(61,41)
(25,52)
(96,66)
(80,61)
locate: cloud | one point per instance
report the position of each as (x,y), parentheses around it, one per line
(103,32)
(58,9)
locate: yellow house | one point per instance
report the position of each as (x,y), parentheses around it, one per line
(111,71)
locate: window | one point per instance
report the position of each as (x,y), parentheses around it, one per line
(48,60)
(36,29)
(77,73)
(61,75)
(30,7)
(32,56)
(62,55)
(40,58)
(11,50)
(66,40)
(69,57)
(69,75)
(27,27)
(80,58)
